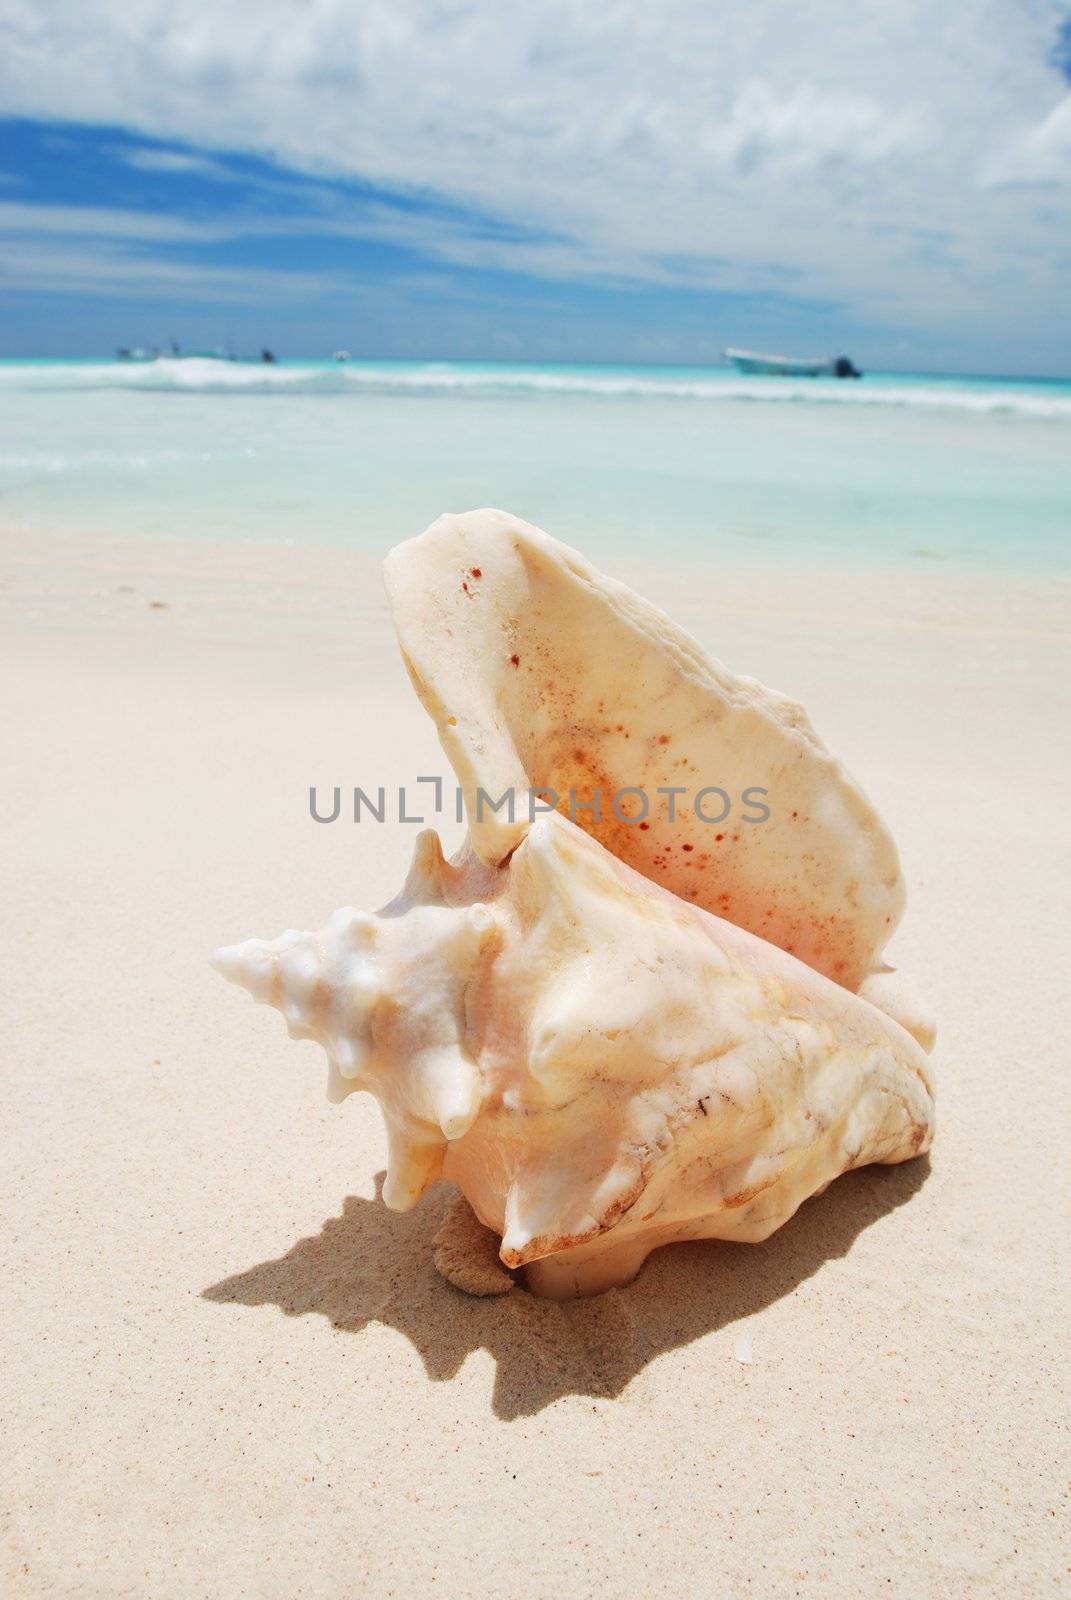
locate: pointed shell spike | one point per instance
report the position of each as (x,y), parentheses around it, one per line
(252,965)
(412,1167)
(428,871)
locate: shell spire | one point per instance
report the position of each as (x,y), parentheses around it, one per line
(324,984)
(385,996)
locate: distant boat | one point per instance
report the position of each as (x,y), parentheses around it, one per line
(212,354)
(756,365)
(174,352)
(341,355)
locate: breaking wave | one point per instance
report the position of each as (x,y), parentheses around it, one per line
(197,375)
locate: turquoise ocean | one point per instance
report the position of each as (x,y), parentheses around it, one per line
(897,467)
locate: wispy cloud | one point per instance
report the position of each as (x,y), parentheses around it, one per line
(106,269)
(144,159)
(19,219)
(789,134)
(1042,155)
(750,145)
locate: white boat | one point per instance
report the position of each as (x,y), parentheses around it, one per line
(172,353)
(212,353)
(342,355)
(758,365)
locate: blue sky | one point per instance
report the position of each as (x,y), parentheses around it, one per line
(434,179)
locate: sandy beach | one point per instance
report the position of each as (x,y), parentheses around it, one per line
(231,1372)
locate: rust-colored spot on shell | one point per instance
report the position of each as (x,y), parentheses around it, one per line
(742,1196)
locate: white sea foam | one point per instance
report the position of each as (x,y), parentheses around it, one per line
(895,468)
(195,375)
(55,461)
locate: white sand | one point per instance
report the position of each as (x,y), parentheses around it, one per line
(232,1372)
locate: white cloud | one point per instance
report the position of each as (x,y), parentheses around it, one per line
(453,240)
(21,218)
(784,134)
(173,161)
(1042,155)
(837,150)
(105,268)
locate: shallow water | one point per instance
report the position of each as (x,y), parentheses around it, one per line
(893,468)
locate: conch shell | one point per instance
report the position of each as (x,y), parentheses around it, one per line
(610,1037)
(601,1067)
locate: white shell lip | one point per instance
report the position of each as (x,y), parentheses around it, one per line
(535,674)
